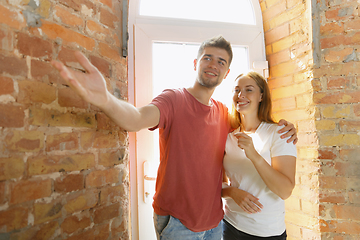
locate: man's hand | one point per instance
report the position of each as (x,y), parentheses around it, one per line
(288,130)
(90,86)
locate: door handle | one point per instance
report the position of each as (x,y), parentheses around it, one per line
(147,178)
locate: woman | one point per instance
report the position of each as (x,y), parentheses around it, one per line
(259,165)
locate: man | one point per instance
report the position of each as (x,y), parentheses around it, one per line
(193,129)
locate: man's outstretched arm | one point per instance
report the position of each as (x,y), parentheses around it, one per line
(91,86)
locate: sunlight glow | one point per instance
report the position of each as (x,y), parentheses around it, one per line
(229,11)
(173,67)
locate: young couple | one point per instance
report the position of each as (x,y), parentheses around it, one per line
(196,134)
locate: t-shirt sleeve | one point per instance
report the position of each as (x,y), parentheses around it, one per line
(280,147)
(164,102)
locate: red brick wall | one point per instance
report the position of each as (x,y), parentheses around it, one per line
(312,48)
(63,163)
(337,99)
(288,40)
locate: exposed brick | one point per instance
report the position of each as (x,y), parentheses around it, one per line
(108,18)
(349,126)
(68,98)
(28,190)
(53,30)
(3,191)
(69,183)
(345,69)
(325,125)
(7,86)
(104,122)
(287,16)
(283,104)
(30,91)
(76,222)
(102,177)
(34,46)
(338,83)
(13,19)
(25,141)
(112,194)
(336,111)
(279,57)
(332,28)
(339,13)
(339,139)
(337,97)
(106,213)
(350,154)
(97,232)
(121,70)
(347,169)
(11,168)
(44,212)
(78,4)
(357,109)
(48,231)
(274,10)
(85,120)
(56,118)
(330,42)
(98,31)
(68,18)
(107,2)
(277,33)
(37,116)
(290,91)
(326,154)
(13,65)
(63,163)
(109,52)
(110,159)
(352,39)
(332,197)
(332,182)
(280,82)
(348,212)
(43,71)
(121,90)
(6,40)
(98,140)
(354,197)
(338,55)
(14,218)
(11,116)
(118,225)
(102,65)
(79,201)
(123,138)
(63,141)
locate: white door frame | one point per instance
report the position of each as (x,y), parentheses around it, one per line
(171,30)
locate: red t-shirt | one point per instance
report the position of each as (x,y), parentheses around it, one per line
(192,143)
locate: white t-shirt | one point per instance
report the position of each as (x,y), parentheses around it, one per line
(243,175)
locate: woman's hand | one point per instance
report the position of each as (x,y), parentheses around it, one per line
(245,200)
(245,142)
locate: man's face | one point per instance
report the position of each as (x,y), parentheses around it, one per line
(212,67)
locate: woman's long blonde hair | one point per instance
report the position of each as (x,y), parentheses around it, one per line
(265,106)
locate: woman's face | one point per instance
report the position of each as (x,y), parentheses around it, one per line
(247,95)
